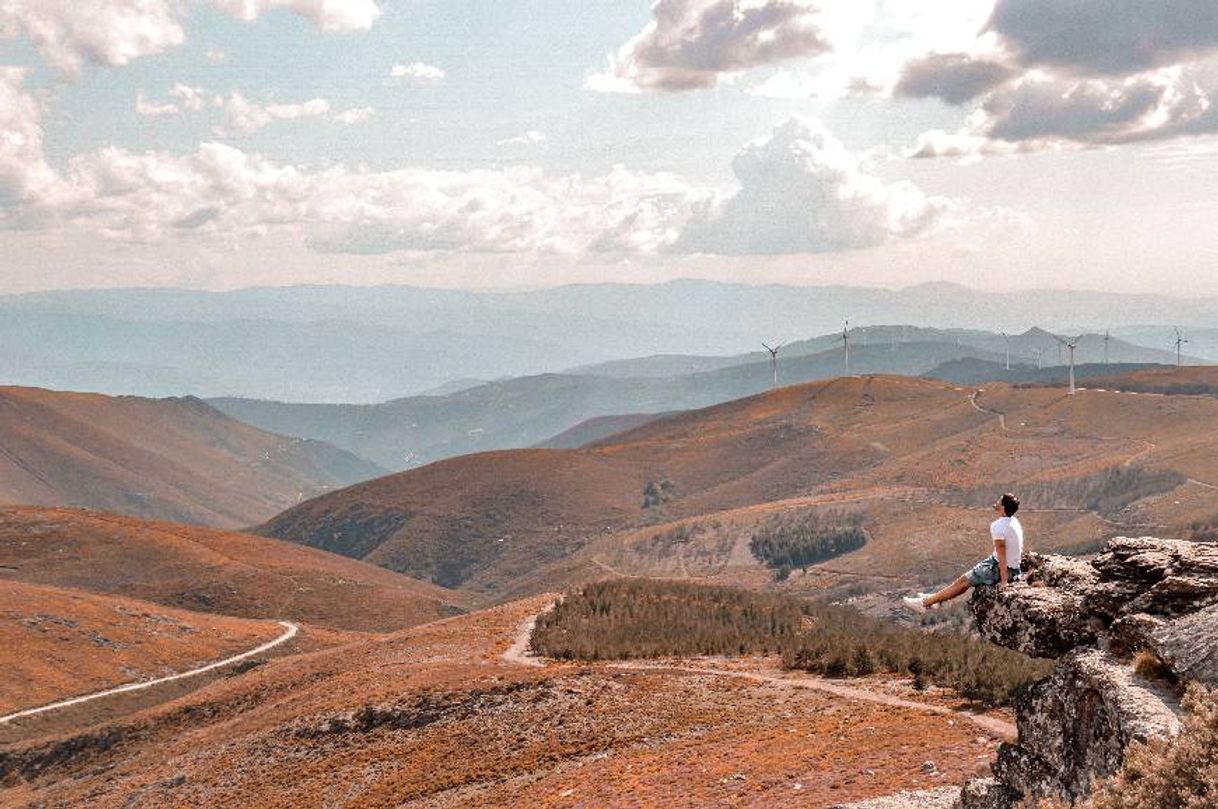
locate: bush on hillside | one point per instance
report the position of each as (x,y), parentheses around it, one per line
(788,541)
(636,618)
(658,492)
(1204,530)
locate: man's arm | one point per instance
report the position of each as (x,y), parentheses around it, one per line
(1000,553)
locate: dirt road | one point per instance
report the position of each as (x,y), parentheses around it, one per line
(290,632)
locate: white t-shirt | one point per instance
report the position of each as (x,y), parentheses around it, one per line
(1009,529)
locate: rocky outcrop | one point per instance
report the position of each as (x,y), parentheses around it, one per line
(1142,595)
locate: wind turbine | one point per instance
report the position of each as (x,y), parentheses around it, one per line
(1107,337)
(1039,352)
(1070,344)
(773,361)
(846,343)
(1007,338)
(1179,342)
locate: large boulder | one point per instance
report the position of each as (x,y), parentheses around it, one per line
(1075,725)
(1158,596)
(1038,621)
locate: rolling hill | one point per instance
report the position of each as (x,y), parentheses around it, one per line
(443,715)
(526,411)
(177,459)
(74,642)
(919,460)
(207,570)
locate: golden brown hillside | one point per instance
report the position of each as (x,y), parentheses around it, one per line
(447,715)
(177,459)
(73,642)
(919,460)
(208,570)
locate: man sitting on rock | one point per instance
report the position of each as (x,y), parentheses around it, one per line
(1001,567)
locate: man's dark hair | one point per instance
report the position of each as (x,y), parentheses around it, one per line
(1010,504)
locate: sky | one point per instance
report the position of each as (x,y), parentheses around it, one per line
(218,144)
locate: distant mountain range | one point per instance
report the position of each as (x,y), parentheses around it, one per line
(532,410)
(373,344)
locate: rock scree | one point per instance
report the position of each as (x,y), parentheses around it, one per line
(1140,596)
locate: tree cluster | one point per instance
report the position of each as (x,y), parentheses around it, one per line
(641,618)
(789,541)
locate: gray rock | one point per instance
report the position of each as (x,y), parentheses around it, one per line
(1189,645)
(1038,621)
(1075,725)
(986,793)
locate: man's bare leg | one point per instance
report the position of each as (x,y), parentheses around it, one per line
(954,590)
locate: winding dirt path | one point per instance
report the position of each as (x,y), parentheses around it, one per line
(291,629)
(992,725)
(517,653)
(1002,419)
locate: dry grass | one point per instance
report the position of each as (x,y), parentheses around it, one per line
(634,618)
(207,570)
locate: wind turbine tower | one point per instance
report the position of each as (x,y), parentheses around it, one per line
(1007,338)
(773,361)
(846,343)
(1179,342)
(1040,352)
(1070,344)
(1107,337)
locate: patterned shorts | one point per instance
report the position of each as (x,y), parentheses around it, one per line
(985,572)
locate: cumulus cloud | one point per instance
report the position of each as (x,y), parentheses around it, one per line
(24,172)
(952,77)
(151,109)
(1083,73)
(802,191)
(691,44)
(1106,37)
(72,33)
(191,98)
(355,115)
(243,117)
(417,73)
(328,15)
(69,33)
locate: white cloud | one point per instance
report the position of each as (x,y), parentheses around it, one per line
(328,15)
(355,115)
(243,117)
(692,44)
(191,98)
(150,109)
(530,138)
(71,33)
(24,173)
(802,191)
(417,73)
